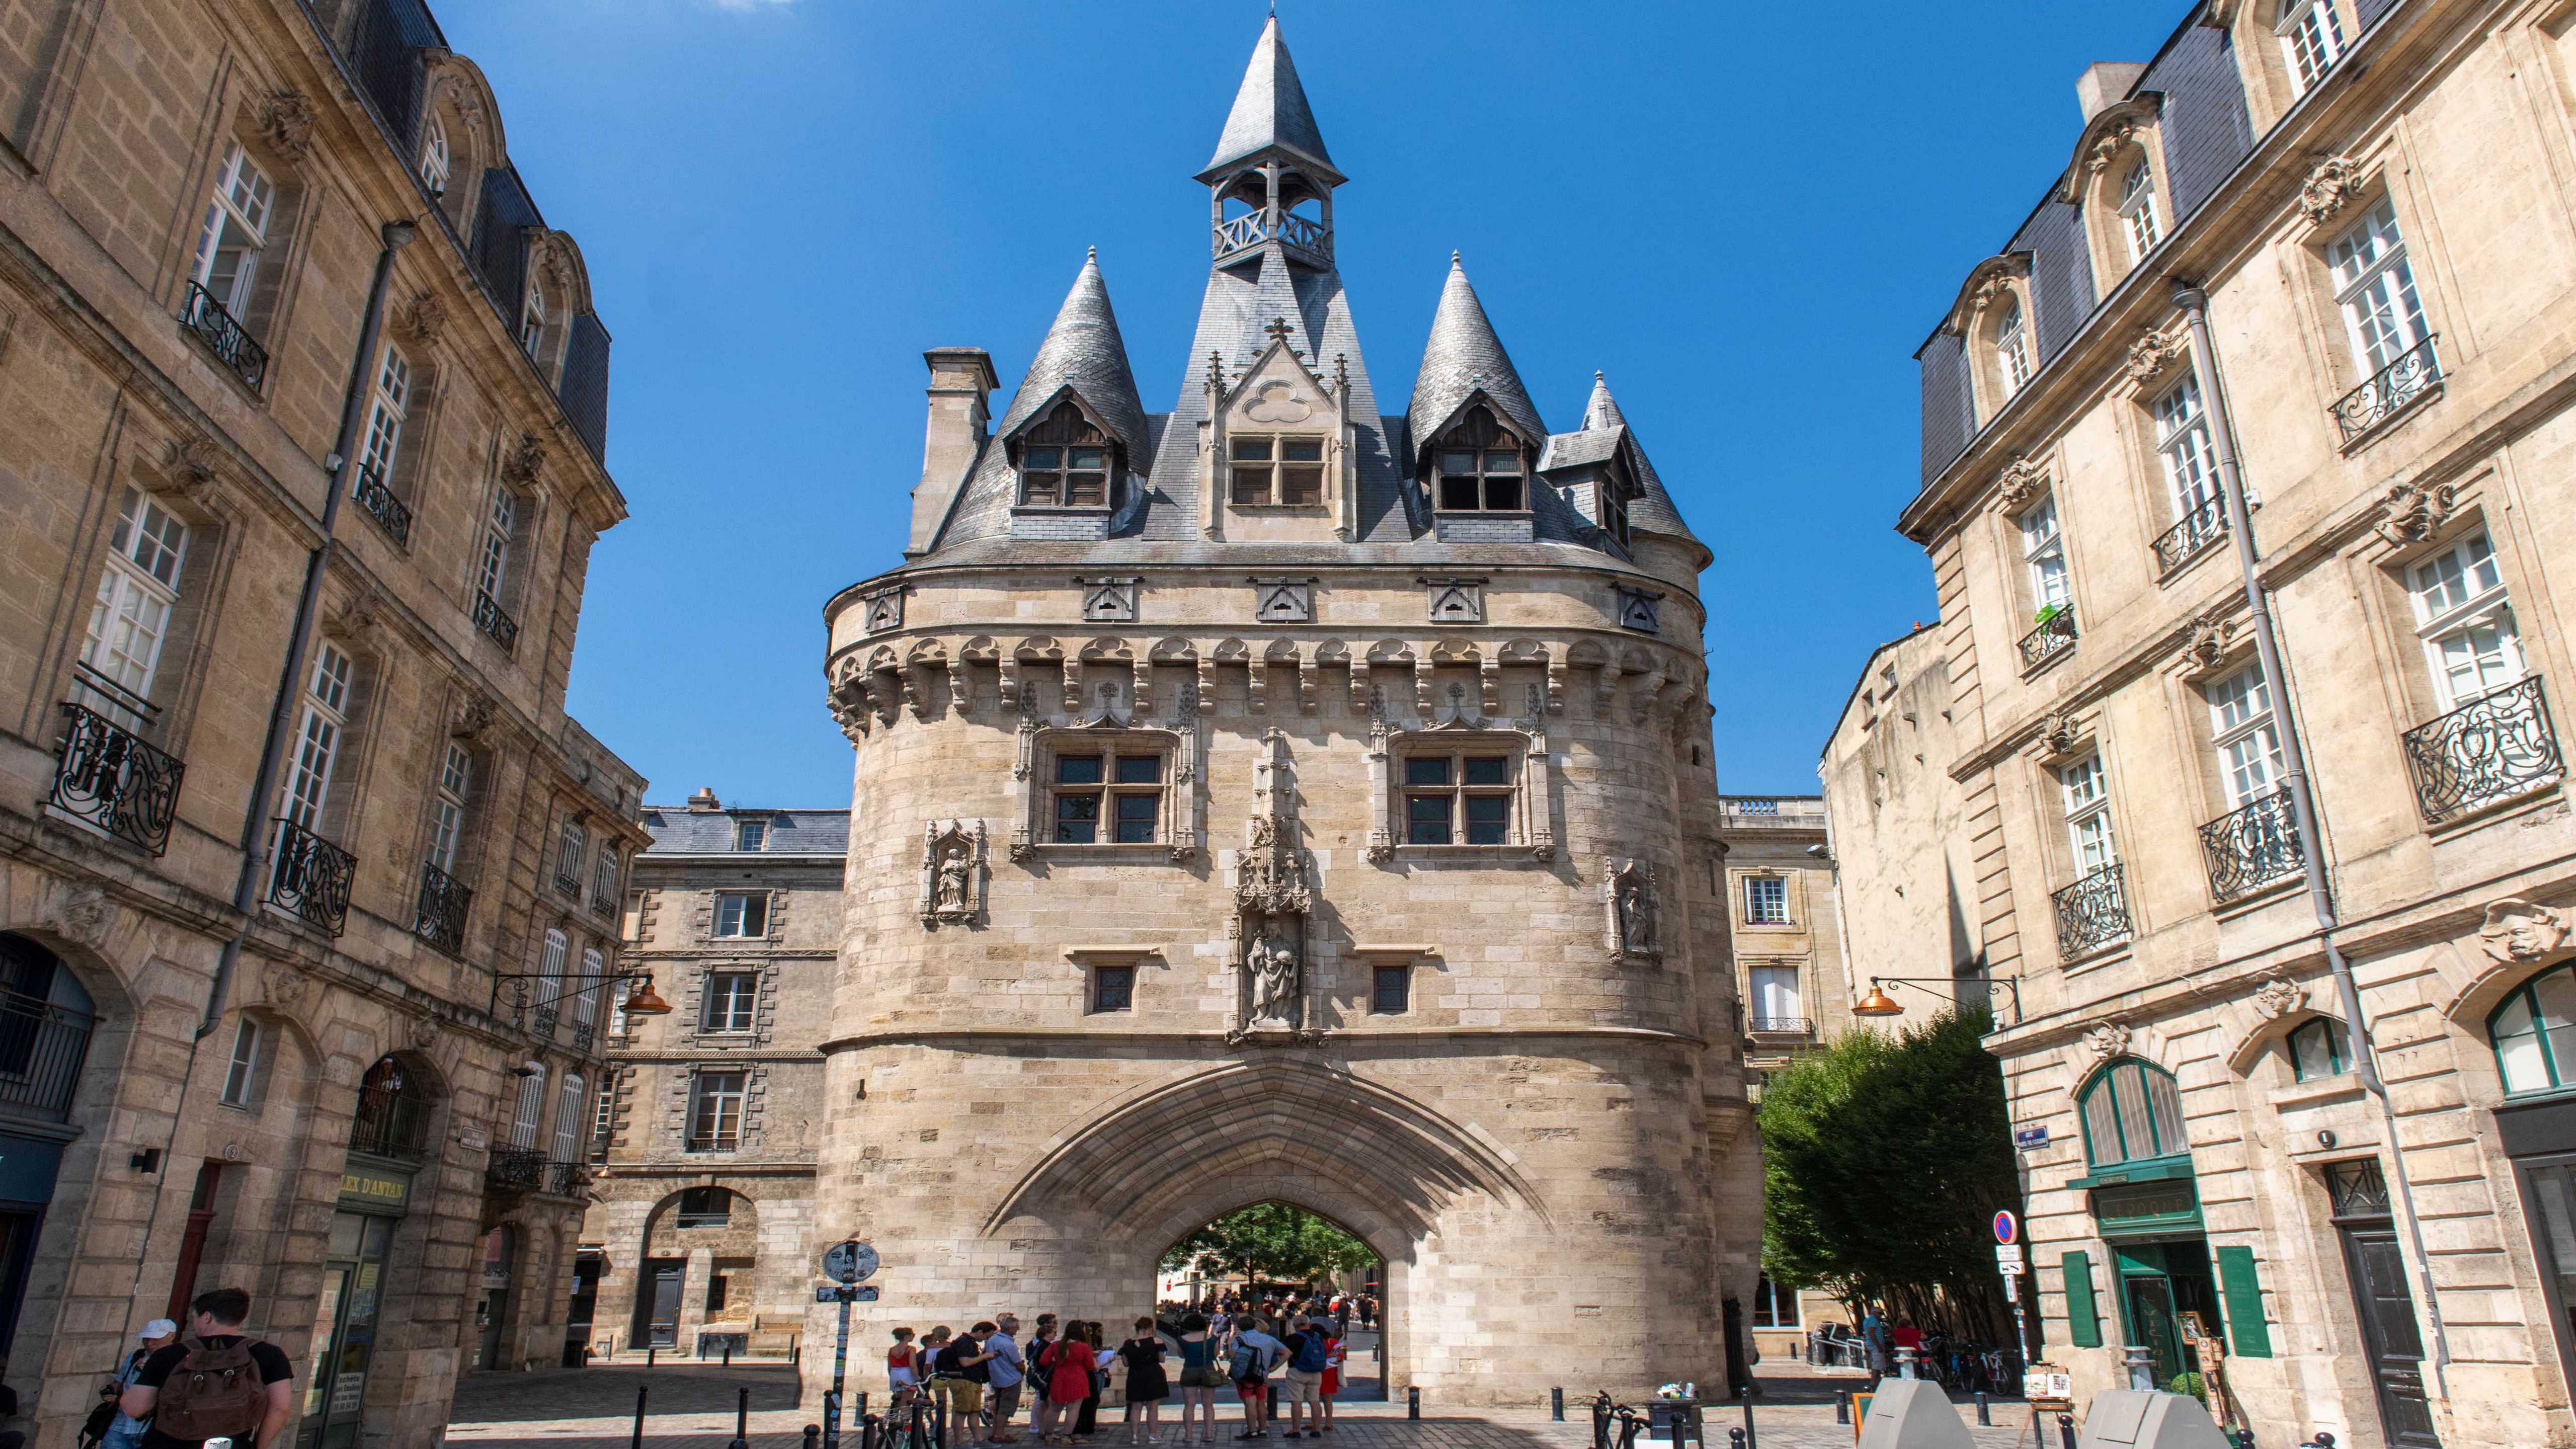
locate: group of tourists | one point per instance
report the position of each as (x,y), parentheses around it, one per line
(210,1383)
(981,1376)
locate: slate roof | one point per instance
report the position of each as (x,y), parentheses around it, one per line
(1084,352)
(1270,110)
(678,830)
(1462,358)
(1606,433)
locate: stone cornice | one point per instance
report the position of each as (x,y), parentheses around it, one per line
(1115,1041)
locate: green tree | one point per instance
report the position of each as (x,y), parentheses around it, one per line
(1885,1159)
(1271,1241)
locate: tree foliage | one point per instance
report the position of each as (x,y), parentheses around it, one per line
(1271,1241)
(1885,1159)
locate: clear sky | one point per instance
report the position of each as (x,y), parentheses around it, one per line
(1748,215)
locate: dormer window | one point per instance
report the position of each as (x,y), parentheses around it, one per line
(1285,471)
(435,160)
(532,320)
(1480,468)
(2138,211)
(1065,463)
(1610,505)
(2012,348)
(2311,39)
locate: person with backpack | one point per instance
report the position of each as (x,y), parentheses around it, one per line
(1310,1352)
(217,1382)
(1253,1355)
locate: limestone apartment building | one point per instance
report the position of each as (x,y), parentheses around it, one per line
(302,410)
(1277,797)
(701,1232)
(2299,309)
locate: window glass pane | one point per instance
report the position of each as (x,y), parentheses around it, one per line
(1501,461)
(1426,820)
(1488,820)
(2129,1095)
(1391,991)
(1140,769)
(1251,485)
(1489,770)
(2556,993)
(1251,449)
(2517,1048)
(1136,815)
(1113,988)
(1047,459)
(1302,450)
(1077,769)
(2165,1104)
(1301,485)
(1461,464)
(1091,459)
(1427,771)
(1077,819)
(2101,1131)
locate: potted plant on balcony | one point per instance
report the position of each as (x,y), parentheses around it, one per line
(2047,613)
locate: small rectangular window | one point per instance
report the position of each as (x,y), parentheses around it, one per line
(1766,900)
(1391,991)
(243,1072)
(1123,789)
(1251,470)
(717,1283)
(742,913)
(1113,988)
(751,835)
(1301,471)
(729,1000)
(715,1111)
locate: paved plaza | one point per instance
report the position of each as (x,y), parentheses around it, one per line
(691,1406)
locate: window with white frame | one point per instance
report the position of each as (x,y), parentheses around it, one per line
(742,913)
(1774,1306)
(1776,1004)
(751,835)
(435,159)
(603,875)
(2186,454)
(2012,348)
(1264,469)
(235,232)
(528,1110)
(2466,622)
(2375,285)
(2087,796)
(569,854)
(2043,551)
(1766,900)
(715,1111)
(729,1003)
(318,737)
(241,1074)
(447,807)
(2311,39)
(1457,797)
(550,977)
(603,1116)
(1106,794)
(2138,220)
(532,319)
(585,992)
(2241,730)
(569,1105)
(129,620)
(500,524)
(389,404)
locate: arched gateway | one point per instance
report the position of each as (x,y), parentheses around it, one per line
(1278,799)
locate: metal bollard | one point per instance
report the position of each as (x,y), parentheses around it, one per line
(1413,1401)
(1735,1439)
(741,1420)
(2066,1430)
(640,1391)
(867,1433)
(1985,1414)
(1751,1439)
(813,1436)
(1556,1405)
(1842,1408)
(728,1353)
(650,1350)
(2323,1440)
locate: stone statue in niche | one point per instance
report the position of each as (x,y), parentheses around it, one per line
(1273,962)
(952,877)
(1629,890)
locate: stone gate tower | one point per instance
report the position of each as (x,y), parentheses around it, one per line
(1278,798)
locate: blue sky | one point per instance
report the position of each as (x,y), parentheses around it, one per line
(1748,215)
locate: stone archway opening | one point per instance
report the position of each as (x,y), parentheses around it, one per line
(1278,1258)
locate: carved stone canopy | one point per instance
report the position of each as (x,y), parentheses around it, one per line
(2330,187)
(2519,932)
(2278,996)
(2155,354)
(2020,481)
(2413,512)
(2107,1040)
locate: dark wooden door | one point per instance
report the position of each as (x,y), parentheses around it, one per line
(2394,1349)
(663,1325)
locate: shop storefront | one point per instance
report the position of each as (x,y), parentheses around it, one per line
(375,1194)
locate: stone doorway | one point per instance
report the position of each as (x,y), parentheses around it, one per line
(1279,1251)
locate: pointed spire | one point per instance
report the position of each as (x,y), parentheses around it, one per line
(1084,352)
(1462,358)
(1270,111)
(1603,410)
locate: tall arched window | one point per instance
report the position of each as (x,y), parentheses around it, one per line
(2131,1113)
(2534,1032)
(2317,1049)
(2138,211)
(2012,348)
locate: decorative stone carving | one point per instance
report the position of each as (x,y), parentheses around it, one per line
(2107,1040)
(1628,904)
(2205,641)
(2277,997)
(473,717)
(1283,601)
(952,872)
(1456,601)
(85,915)
(525,460)
(2414,512)
(846,695)
(2020,482)
(2519,932)
(1640,609)
(423,319)
(1109,600)
(884,609)
(2329,187)
(2108,146)
(2059,733)
(421,1032)
(1996,283)
(1273,963)
(282,985)
(1272,899)
(2152,356)
(286,123)
(1276,401)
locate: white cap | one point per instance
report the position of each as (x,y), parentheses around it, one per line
(157,1328)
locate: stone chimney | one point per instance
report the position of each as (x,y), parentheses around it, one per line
(2104,84)
(704,802)
(961,391)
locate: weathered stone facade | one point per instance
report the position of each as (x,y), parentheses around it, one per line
(311,1098)
(675,1208)
(1409,910)
(2337,290)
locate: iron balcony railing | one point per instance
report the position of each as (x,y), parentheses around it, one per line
(2203,525)
(389,512)
(310,876)
(215,327)
(42,1047)
(2252,846)
(2054,636)
(566,1179)
(1785,1025)
(390,1123)
(2493,748)
(517,1167)
(105,774)
(583,1034)
(439,919)
(2092,913)
(541,1021)
(2408,377)
(714,1141)
(494,620)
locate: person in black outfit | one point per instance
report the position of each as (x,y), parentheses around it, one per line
(216,1321)
(1146,1385)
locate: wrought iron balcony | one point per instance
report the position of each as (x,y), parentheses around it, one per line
(2092,913)
(494,620)
(105,774)
(521,1168)
(2054,636)
(215,327)
(714,1141)
(310,876)
(389,512)
(541,1022)
(2407,378)
(2492,748)
(1782,1025)
(439,919)
(2252,846)
(566,1179)
(42,1047)
(2204,525)
(1253,228)
(391,1123)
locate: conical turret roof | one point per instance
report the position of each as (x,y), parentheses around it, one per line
(1602,410)
(1084,352)
(1270,110)
(1462,358)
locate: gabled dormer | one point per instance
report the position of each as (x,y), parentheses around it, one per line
(1073,438)
(1279,466)
(1476,436)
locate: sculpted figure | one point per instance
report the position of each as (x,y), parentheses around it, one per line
(956,876)
(1274,979)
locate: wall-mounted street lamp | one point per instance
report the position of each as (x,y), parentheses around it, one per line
(642,1001)
(1879,1003)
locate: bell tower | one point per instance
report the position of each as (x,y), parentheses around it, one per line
(1271,179)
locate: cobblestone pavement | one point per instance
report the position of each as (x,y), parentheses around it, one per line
(691,1406)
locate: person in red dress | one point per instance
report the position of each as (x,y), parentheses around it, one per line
(1331,1329)
(1068,1381)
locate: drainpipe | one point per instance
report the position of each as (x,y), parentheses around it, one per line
(254,852)
(2303,812)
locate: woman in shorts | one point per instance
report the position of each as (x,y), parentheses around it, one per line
(1200,1379)
(903,1368)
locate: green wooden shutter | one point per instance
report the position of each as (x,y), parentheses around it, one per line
(2083,1321)
(2244,1297)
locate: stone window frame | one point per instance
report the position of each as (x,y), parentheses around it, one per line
(1176,833)
(1380,959)
(764,1003)
(683,1094)
(706,915)
(1532,835)
(1791,902)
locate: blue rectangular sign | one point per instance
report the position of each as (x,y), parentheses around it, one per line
(2027,1138)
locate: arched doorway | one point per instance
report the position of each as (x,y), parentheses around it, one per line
(492,1310)
(1277,1260)
(46,1020)
(699,1273)
(389,1142)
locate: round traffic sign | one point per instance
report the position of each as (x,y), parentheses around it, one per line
(2007,1228)
(849,1261)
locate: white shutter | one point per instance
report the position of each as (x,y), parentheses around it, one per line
(568,1108)
(532,1101)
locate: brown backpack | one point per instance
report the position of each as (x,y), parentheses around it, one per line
(213,1391)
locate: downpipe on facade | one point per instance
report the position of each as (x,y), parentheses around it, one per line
(254,851)
(2303,814)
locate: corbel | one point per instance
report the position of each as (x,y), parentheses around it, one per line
(1556,672)
(1141,685)
(1207,681)
(1605,684)
(1072,680)
(1422,681)
(1489,673)
(959,698)
(1256,673)
(1643,698)
(1305,684)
